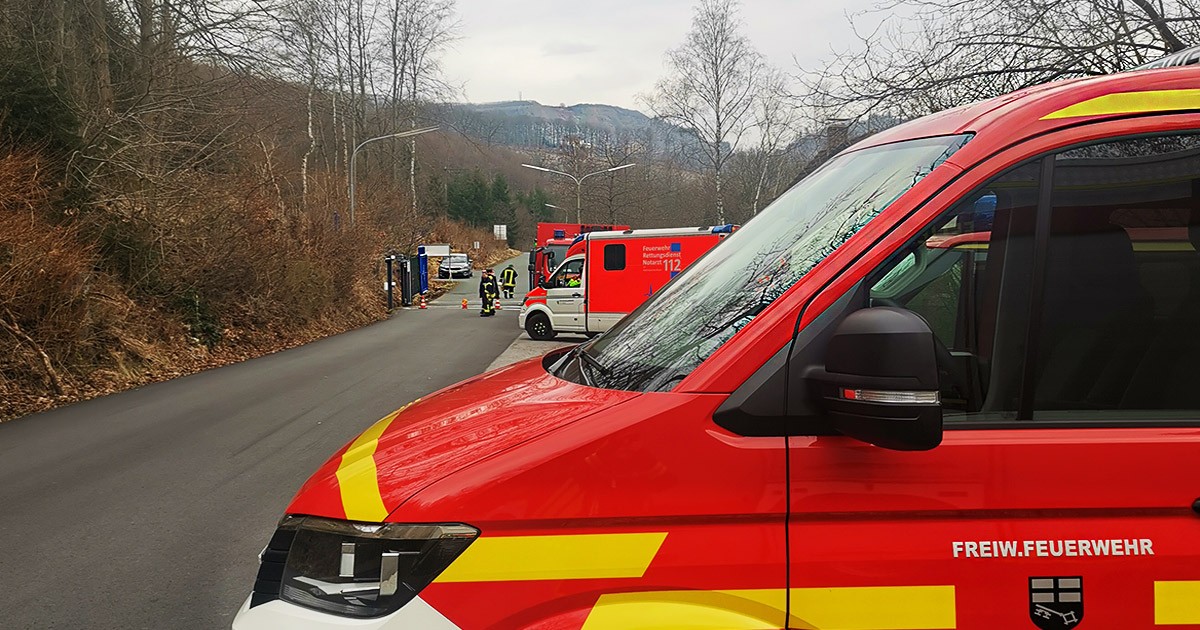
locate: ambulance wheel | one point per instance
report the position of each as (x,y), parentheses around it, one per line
(538,327)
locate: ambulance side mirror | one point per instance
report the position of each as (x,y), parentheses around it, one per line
(879,383)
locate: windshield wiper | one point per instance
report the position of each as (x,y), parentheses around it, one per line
(593,361)
(587,380)
(578,354)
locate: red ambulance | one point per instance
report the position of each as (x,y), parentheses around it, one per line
(605,275)
(836,419)
(553,241)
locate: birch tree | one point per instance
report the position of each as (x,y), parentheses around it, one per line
(775,118)
(432,29)
(710,86)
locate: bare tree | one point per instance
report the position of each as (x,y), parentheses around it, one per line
(775,118)
(928,55)
(432,28)
(303,50)
(616,193)
(712,79)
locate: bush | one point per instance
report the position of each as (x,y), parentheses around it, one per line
(58,315)
(31,112)
(202,323)
(462,238)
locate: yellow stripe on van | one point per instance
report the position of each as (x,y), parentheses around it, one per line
(358,479)
(1131,103)
(845,608)
(567,557)
(1176,603)
(874,607)
(758,609)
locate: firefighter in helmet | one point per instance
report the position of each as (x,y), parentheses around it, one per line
(508,279)
(489,291)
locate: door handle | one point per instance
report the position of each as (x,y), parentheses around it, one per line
(1196,506)
(574,295)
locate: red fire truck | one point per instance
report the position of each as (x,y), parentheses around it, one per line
(947,380)
(553,239)
(606,275)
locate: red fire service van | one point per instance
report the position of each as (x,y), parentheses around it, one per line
(605,275)
(553,240)
(836,419)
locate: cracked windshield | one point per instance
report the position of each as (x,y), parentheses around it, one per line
(682,325)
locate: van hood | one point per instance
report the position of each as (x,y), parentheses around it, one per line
(536,294)
(433,437)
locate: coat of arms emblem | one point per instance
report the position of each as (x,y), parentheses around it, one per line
(1056,603)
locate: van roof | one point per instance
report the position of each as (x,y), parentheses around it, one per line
(1036,110)
(653,232)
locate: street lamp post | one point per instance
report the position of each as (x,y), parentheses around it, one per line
(354,160)
(578,182)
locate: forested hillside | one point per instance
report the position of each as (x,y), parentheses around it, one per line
(530,124)
(173,184)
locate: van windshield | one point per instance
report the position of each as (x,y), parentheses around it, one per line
(662,341)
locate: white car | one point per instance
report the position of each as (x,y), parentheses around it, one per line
(455,266)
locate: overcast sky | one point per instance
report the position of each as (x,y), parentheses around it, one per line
(608,51)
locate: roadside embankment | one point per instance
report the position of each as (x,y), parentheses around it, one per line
(99,295)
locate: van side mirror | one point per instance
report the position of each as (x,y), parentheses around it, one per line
(879,383)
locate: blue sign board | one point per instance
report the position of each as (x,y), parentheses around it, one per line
(423,268)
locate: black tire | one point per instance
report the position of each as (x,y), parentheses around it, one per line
(538,327)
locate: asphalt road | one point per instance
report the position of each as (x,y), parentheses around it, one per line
(147,509)
(469,288)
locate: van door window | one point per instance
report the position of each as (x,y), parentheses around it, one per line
(1111,333)
(969,277)
(1117,330)
(569,275)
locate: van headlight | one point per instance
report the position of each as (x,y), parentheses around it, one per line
(366,569)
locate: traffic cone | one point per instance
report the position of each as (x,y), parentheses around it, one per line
(464,304)
(497,304)
(422,302)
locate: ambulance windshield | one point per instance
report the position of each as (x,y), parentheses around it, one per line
(661,342)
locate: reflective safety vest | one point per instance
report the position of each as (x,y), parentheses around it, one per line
(510,277)
(488,288)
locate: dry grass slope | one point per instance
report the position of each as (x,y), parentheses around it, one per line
(113,297)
